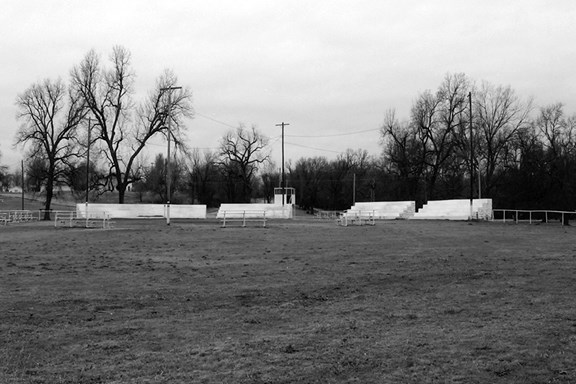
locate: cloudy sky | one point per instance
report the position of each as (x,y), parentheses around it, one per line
(329,68)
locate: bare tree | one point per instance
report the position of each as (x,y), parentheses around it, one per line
(308,176)
(36,173)
(557,131)
(242,152)
(499,114)
(3,174)
(271,179)
(203,176)
(50,115)
(154,178)
(123,128)
(425,148)
(438,118)
(404,152)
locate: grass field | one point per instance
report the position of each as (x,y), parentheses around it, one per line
(301,301)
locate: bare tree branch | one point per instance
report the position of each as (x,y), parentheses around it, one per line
(124,128)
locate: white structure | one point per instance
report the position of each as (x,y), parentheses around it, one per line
(384,210)
(134,211)
(289,196)
(277,210)
(457,209)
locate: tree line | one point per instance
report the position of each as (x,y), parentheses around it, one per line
(461,139)
(520,156)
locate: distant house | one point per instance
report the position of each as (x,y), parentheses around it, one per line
(57,188)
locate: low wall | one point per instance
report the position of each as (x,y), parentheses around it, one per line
(455,209)
(134,211)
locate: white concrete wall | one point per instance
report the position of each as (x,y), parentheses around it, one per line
(455,209)
(134,211)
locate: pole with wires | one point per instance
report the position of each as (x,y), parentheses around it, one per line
(168,173)
(283,183)
(88,169)
(471,158)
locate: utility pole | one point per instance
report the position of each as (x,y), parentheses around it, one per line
(471,158)
(479,183)
(22,169)
(168,173)
(354,189)
(88,169)
(283,183)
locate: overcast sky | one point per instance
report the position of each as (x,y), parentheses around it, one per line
(329,68)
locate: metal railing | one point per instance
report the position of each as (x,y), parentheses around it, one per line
(532,216)
(357,217)
(73,219)
(243,216)
(17,216)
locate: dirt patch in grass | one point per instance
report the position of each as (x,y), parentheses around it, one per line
(297,302)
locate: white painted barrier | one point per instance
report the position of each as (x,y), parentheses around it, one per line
(455,209)
(135,211)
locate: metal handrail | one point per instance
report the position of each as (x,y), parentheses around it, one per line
(516,214)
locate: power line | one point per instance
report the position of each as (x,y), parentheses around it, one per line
(335,135)
(317,149)
(303,136)
(216,121)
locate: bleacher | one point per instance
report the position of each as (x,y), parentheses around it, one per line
(456,209)
(384,210)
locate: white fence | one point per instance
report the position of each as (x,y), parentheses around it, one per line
(330,215)
(530,216)
(357,218)
(73,219)
(17,216)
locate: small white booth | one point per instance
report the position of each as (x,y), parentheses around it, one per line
(289,196)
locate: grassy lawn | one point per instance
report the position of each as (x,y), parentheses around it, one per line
(301,301)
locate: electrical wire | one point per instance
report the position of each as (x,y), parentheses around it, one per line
(215,120)
(317,149)
(335,135)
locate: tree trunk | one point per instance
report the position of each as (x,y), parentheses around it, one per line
(121,188)
(49,195)
(121,193)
